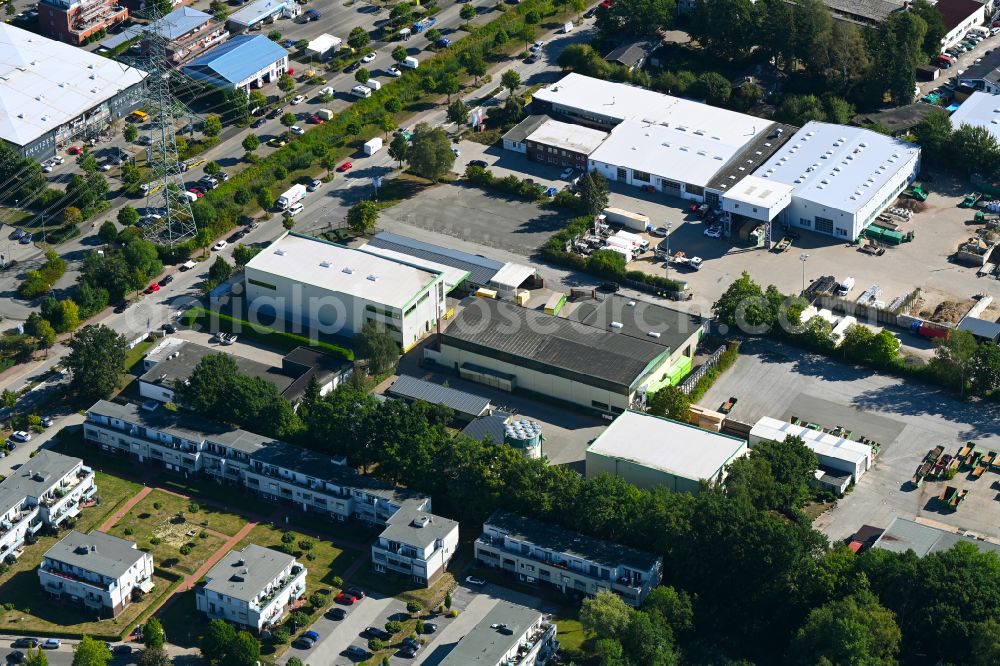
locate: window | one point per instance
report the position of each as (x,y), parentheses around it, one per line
(640,175)
(262,285)
(622,173)
(698,190)
(599,405)
(805,222)
(824,225)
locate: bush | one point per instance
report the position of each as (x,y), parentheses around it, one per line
(157,505)
(280,636)
(287,537)
(394,627)
(375,644)
(156,541)
(128,531)
(414,606)
(193,507)
(306,544)
(186,549)
(338,582)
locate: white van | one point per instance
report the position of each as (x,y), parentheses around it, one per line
(373,84)
(844,288)
(191,196)
(361,91)
(410,62)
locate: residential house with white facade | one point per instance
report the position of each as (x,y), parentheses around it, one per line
(417,544)
(46,490)
(540,552)
(509,635)
(98,571)
(253,588)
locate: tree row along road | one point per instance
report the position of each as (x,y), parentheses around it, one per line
(151,312)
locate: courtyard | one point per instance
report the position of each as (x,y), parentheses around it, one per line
(907,418)
(25,608)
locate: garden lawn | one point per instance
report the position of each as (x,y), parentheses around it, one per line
(172,527)
(182,623)
(28,611)
(328,561)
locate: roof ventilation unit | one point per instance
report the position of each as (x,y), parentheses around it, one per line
(653,334)
(348,270)
(324,264)
(617,324)
(279,252)
(373,277)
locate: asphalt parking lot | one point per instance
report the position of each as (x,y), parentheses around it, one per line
(487,219)
(778,381)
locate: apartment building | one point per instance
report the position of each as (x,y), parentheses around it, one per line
(539,552)
(416,544)
(46,490)
(509,635)
(187,33)
(97,571)
(73,21)
(253,588)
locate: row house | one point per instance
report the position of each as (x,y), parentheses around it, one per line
(273,470)
(416,544)
(45,491)
(543,553)
(97,571)
(186,33)
(253,588)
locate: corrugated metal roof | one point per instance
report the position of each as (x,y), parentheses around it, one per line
(237,59)
(980,328)
(481,269)
(520,333)
(180,22)
(412,388)
(492,426)
(904,534)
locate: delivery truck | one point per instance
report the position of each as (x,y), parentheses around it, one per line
(624,218)
(374,84)
(325,114)
(292,195)
(372,146)
(410,62)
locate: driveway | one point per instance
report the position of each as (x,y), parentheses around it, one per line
(337,635)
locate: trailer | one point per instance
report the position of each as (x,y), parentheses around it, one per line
(624,218)
(934,453)
(424,24)
(372,146)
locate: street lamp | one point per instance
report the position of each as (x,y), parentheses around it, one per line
(803,258)
(666,242)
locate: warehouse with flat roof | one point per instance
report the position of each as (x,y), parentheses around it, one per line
(332,289)
(52,94)
(678,146)
(650,451)
(834,453)
(513,348)
(841,177)
(979,110)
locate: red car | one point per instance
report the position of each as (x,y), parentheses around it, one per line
(195,191)
(73,150)
(315,120)
(346,599)
(346,166)
(152,288)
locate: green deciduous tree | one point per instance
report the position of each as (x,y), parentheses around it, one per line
(430,153)
(510,80)
(743,306)
(399,54)
(362,217)
(154,657)
(399,149)
(212,125)
(774,476)
(953,359)
(97,359)
(376,344)
(934,134)
(671,402)
(605,615)
(251,142)
(362,75)
(89,652)
(714,87)
(286,83)
(152,634)
(358,38)
(852,630)
(36,657)
(458,112)
(467,12)
(130,132)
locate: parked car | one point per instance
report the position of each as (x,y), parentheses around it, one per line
(196,191)
(353,67)
(298,99)
(26,239)
(375,632)
(295,129)
(121,307)
(355,590)
(566,174)
(394,71)
(73,150)
(337,614)
(311,635)
(16,234)
(346,166)
(221,245)
(122,649)
(346,599)
(473,580)
(303,643)
(21,436)
(659,231)
(152,288)
(479,163)
(46,422)
(368,57)
(26,642)
(294,210)
(714,232)
(51,644)
(611,287)
(315,120)
(167,279)
(169,328)
(315,185)
(277,142)
(15,657)
(356,652)
(411,642)
(430,627)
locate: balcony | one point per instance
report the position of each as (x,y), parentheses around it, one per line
(314,486)
(15,520)
(534,644)
(77,579)
(291,579)
(501,546)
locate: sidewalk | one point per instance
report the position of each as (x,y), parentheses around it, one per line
(125,508)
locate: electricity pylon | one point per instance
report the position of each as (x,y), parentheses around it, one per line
(166,194)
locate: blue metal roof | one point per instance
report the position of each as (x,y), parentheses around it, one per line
(235,60)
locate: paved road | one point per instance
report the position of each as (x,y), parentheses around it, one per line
(338,635)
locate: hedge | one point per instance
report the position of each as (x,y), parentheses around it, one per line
(263,334)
